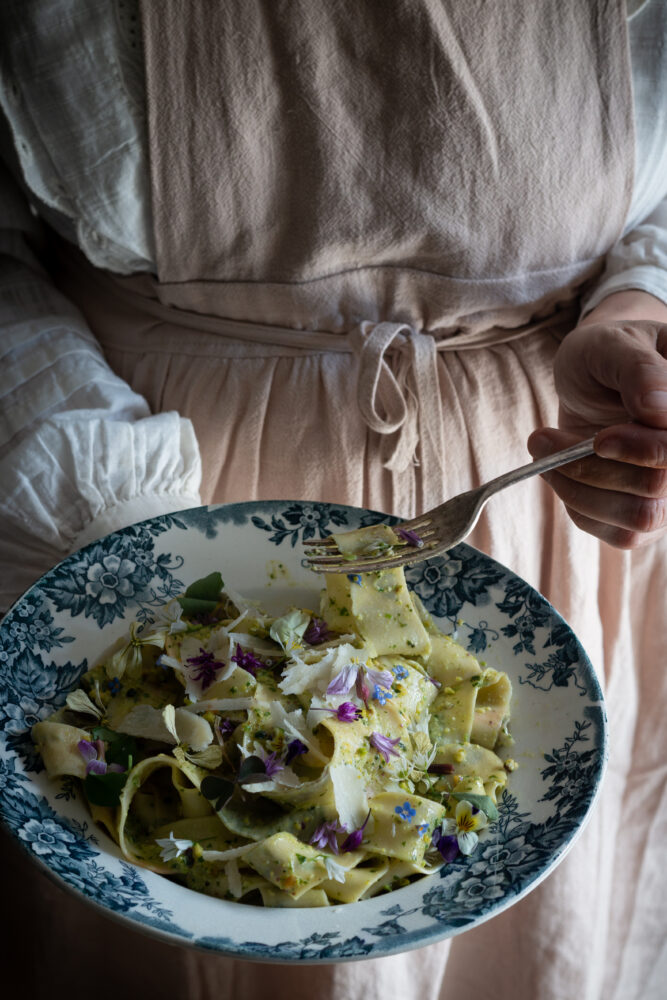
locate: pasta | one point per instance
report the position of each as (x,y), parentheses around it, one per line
(303,760)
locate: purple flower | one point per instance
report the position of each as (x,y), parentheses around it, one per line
(206,667)
(379,678)
(325,836)
(411,537)
(353,841)
(273,764)
(247,661)
(347,712)
(384,745)
(359,675)
(447,845)
(93,754)
(342,683)
(223,728)
(294,749)
(317,632)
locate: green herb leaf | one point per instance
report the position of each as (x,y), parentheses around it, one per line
(202,596)
(483,802)
(119,748)
(104,789)
(216,790)
(252,766)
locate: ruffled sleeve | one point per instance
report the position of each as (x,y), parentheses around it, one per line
(80,452)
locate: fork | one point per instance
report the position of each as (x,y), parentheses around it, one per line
(439,529)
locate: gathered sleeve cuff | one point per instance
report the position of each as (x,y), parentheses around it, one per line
(638,261)
(80,452)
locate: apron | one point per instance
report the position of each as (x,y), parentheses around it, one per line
(373,226)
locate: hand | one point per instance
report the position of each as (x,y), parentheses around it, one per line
(611,380)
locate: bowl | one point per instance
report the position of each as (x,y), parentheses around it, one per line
(77,610)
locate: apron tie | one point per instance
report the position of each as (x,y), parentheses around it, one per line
(405,403)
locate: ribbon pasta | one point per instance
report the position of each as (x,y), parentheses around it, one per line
(308,760)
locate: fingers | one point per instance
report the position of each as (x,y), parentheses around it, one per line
(622,504)
(607,373)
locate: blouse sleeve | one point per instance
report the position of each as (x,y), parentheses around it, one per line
(80,452)
(639,260)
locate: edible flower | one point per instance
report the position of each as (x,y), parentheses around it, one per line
(347,712)
(78,701)
(317,632)
(294,749)
(354,578)
(405,811)
(325,835)
(411,537)
(206,667)
(358,674)
(272,764)
(93,754)
(381,695)
(463,827)
(353,841)
(384,745)
(223,728)
(334,869)
(114,685)
(400,672)
(247,660)
(289,630)
(172,847)
(168,621)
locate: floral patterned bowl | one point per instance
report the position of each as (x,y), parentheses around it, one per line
(77,610)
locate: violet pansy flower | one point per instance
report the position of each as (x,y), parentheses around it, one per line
(317,632)
(294,749)
(93,754)
(384,745)
(446,844)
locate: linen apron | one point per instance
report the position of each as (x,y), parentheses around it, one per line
(373,224)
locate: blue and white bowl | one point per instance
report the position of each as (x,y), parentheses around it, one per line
(63,624)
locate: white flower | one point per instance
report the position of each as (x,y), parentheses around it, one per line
(334,869)
(464,826)
(172,847)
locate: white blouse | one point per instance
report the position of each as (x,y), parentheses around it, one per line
(80,453)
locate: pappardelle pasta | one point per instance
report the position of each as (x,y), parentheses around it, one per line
(305,760)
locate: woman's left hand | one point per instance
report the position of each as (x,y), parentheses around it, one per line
(611,380)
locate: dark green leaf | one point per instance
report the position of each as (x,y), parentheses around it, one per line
(104,789)
(251,766)
(216,790)
(483,802)
(202,596)
(119,747)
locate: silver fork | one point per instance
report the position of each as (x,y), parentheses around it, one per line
(439,529)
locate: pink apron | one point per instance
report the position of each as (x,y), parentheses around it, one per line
(373,223)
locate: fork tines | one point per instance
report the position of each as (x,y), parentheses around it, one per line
(325,556)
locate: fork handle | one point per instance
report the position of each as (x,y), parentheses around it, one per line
(553,461)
